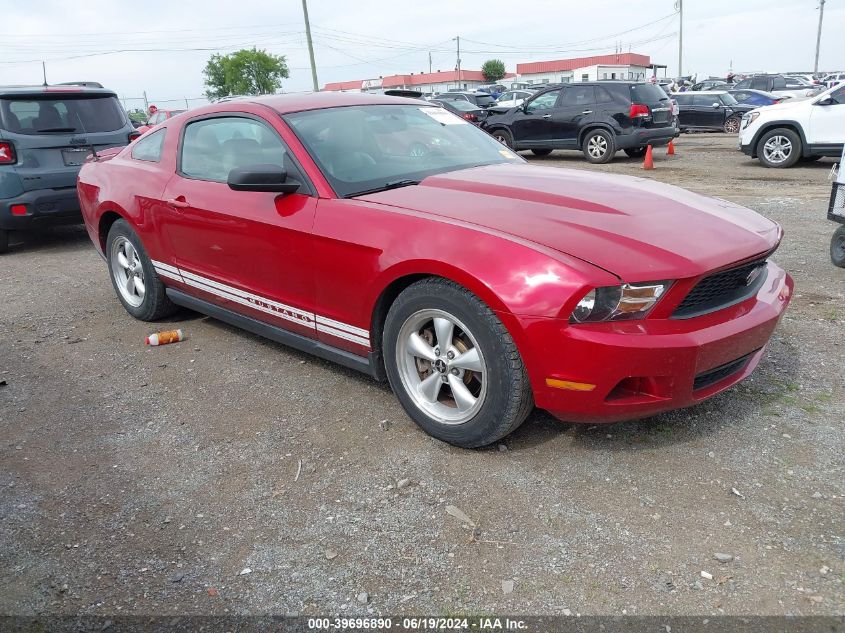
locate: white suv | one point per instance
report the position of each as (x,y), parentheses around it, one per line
(782,134)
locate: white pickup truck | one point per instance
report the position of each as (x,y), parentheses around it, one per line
(796,129)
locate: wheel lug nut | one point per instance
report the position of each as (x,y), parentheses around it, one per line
(437,351)
(450,355)
(454,372)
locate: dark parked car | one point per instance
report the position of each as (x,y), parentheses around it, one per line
(755,97)
(598,118)
(780,85)
(482,99)
(710,84)
(464,109)
(46,132)
(712,110)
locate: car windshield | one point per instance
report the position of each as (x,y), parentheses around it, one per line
(728,99)
(484,100)
(61,114)
(362,149)
(647,93)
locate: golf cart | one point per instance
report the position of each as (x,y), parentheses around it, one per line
(836,212)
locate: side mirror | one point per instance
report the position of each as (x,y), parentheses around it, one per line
(717,105)
(826,102)
(270,178)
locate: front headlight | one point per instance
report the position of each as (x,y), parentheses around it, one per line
(751,116)
(618,303)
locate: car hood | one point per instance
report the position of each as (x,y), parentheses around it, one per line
(636,228)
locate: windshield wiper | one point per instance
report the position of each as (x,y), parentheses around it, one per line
(393,184)
(57,129)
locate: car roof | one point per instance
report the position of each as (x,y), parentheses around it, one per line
(706,92)
(287,103)
(37,91)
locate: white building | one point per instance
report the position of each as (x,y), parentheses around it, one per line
(616,66)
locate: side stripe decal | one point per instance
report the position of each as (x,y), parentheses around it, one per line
(322,324)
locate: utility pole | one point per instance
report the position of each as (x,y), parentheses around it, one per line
(310,46)
(429,62)
(146,103)
(44,69)
(680,5)
(458,40)
(819,36)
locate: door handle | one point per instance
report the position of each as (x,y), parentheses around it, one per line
(547,116)
(178,203)
(587,112)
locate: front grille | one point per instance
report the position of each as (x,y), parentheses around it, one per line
(712,376)
(722,289)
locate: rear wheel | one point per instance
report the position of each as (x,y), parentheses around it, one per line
(504,137)
(453,365)
(636,152)
(541,152)
(4,240)
(732,124)
(598,146)
(779,148)
(134,279)
(837,247)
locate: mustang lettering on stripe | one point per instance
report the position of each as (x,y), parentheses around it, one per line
(322,324)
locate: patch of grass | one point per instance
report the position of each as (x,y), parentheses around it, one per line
(831,314)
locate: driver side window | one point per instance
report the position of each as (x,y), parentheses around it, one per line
(211,148)
(545,101)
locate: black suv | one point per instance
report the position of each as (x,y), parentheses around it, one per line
(598,118)
(710,110)
(46,132)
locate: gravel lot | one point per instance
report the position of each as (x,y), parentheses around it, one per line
(143,480)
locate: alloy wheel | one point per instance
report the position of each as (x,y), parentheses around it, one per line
(732,125)
(777,149)
(441,366)
(128,272)
(597,146)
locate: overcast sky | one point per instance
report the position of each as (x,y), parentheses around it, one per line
(362,39)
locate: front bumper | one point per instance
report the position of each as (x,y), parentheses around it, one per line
(641,368)
(43,207)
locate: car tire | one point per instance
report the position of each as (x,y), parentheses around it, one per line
(4,240)
(779,148)
(732,124)
(837,247)
(541,152)
(636,152)
(504,137)
(598,146)
(127,259)
(493,394)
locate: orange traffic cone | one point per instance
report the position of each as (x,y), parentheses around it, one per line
(671,150)
(648,163)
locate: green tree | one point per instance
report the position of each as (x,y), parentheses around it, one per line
(493,69)
(244,72)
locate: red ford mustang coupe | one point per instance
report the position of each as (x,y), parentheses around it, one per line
(477,284)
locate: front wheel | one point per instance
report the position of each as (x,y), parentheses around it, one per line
(732,125)
(598,146)
(133,276)
(779,148)
(837,247)
(453,366)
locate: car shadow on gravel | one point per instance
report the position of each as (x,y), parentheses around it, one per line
(55,239)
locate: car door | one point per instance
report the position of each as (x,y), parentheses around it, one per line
(706,113)
(243,250)
(531,126)
(827,122)
(686,114)
(575,108)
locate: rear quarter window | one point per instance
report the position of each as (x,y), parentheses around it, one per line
(149,148)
